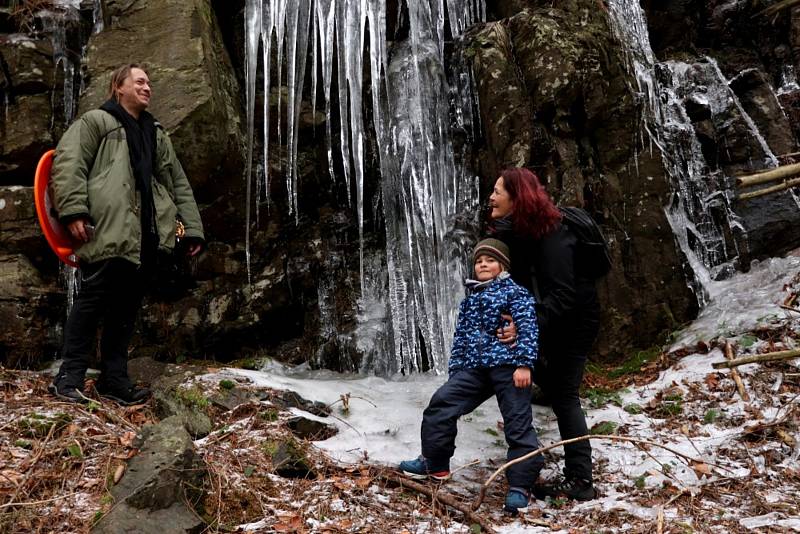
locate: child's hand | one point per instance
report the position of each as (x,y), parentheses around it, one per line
(522,377)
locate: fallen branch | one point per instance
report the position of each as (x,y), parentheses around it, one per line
(532,454)
(735,374)
(435,496)
(785,4)
(767,176)
(767,357)
(788,184)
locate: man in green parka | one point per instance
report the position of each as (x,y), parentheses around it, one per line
(120,190)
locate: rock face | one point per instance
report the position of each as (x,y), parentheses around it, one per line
(554,97)
(26,85)
(165,475)
(195,94)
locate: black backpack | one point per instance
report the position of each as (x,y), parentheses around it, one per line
(592,258)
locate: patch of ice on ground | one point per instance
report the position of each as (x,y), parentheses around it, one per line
(387,432)
(742,302)
(773,520)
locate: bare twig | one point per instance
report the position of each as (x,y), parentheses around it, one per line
(473,462)
(34,461)
(735,374)
(36,503)
(348,397)
(689,460)
(445,499)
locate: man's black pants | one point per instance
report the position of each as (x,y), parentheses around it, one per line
(111,292)
(464,392)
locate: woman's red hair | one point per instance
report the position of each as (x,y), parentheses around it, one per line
(534,214)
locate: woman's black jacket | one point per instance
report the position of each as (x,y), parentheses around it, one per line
(566,302)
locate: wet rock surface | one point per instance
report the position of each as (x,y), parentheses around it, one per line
(552,86)
(158,483)
(310,429)
(554,95)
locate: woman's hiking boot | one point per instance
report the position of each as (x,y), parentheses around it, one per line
(516,499)
(125,396)
(575,488)
(422,468)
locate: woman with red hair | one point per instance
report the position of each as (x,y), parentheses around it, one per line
(542,259)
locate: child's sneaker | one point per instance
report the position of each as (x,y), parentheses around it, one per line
(516,499)
(420,469)
(575,488)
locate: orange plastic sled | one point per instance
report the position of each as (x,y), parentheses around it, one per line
(57,236)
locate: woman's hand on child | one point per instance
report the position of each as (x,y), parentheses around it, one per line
(507,334)
(522,377)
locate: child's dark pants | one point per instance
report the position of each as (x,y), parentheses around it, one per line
(466,390)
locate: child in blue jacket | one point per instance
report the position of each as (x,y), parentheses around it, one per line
(481,366)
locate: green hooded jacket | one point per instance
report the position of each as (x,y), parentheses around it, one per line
(92,175)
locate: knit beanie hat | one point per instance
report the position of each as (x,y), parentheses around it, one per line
(494,248)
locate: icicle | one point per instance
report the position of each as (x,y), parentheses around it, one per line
(97,16)
(325,11)
(297,24)
(342,18)
(252,22)
(424,185)
(266,51)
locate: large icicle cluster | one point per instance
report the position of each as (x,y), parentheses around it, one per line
(424,187)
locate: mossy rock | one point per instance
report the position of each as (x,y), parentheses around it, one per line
(289,459)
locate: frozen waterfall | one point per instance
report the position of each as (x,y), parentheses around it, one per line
(700,211)
(425,188)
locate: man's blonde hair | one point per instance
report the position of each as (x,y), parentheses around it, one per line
(119,75)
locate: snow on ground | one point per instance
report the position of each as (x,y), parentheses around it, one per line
(691,408)
(743,302)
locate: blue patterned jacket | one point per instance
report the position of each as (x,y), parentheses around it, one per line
(475,343)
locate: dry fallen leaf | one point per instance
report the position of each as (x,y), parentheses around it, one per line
(701,469)
(8,476)
(288,523)
(712,381)
(344,524)
(118,473)
(126,440)
(363,482)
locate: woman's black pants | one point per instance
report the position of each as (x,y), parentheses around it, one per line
(559,373)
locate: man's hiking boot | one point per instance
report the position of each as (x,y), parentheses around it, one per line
(67,393)
(126,396)
(575,488)
(421,468)
(516,499)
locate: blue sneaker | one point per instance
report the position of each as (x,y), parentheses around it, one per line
(420,469)
(516,498)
